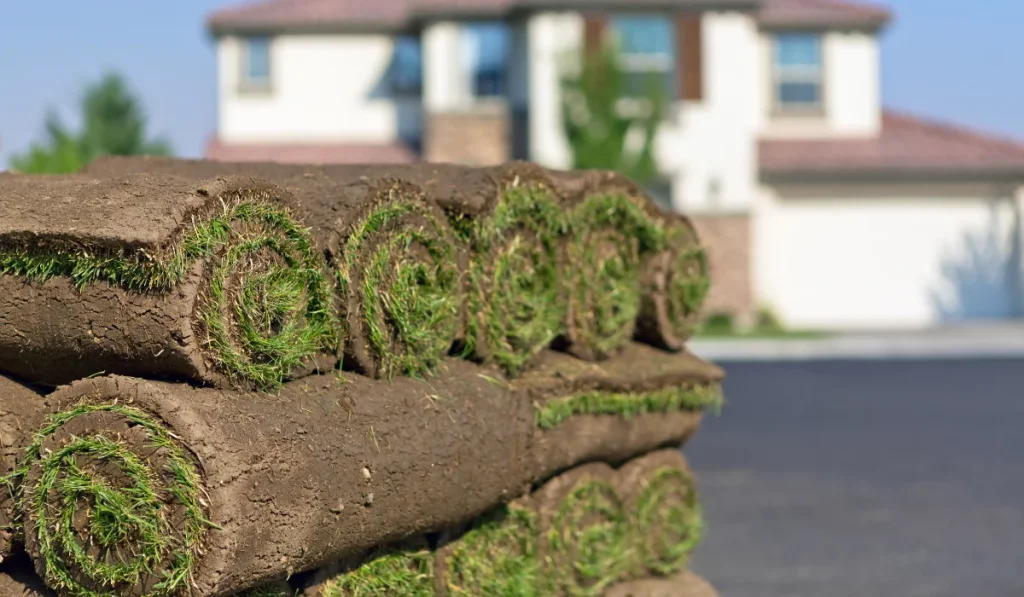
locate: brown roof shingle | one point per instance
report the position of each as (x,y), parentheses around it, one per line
(311,153)
(907,145)
(397,14)
(821,13)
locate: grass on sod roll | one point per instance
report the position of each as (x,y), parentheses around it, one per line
(408,296)
(129,523)
(610,235)
(669,522)
(407,573)
(592,529)
(689,282)
(497,557)
(514,300)
(627,404)
(258,330)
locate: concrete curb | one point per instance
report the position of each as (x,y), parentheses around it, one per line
(880,347)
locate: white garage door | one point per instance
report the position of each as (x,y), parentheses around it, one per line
(888,259)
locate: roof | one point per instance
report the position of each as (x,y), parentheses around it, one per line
(822,13)
(274,15)
(906,146)
(311,153)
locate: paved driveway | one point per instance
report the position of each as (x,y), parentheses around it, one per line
(865,479)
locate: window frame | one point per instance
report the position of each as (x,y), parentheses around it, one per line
(246,82)
(813,75)
(414,90)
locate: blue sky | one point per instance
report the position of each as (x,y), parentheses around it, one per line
(941,58)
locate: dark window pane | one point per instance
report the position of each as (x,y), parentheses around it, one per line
(798,50)
(407,68)
(644,34)
(257,67)
(487,46)
(489,82)
(799,93)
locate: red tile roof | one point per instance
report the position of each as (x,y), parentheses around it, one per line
(907,145)
(397,14)
(819,13)
(311,153)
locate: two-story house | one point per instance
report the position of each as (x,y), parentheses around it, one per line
(815,201)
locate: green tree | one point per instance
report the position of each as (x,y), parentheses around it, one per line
(113,123)
(601,127)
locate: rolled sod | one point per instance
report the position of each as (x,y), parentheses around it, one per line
(397,264)
(660,492)
(513,223)
(222,491)
(582,532)
(641,400)
(216,282)
(22,412)
(673,272)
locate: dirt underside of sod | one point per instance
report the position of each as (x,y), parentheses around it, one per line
(330,467)
(21,413)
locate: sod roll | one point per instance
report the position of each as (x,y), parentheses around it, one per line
(21,413)
(579,533)
(215,282)
(222,491)
(507,216)
(660,492)
(397,264)
(672,273)
(641,400)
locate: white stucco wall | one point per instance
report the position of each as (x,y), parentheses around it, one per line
(325,88)
(877,257)
(709,147)
(551,39)
(852,93)
(446,80)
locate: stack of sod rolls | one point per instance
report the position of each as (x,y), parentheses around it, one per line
(258,379)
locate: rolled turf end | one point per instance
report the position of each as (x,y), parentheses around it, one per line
(676,284)
(670,523)
(602,271)
(514,310)
(497,557)
(265,307)
(399,277)
(552,413)
(392,573)
(112,504)
(588,541)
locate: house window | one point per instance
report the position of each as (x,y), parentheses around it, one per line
(486,48)
(256,63)
(407,67)
(798,72)
(646,55)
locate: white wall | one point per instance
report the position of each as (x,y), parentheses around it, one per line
(446,80)
(325,88)
(874,257)
(710,146)
(851,90)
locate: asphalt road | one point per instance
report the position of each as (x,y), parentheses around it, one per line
(865,479)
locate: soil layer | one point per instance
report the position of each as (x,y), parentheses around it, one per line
(21,413)
(17,579)
(156,275)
